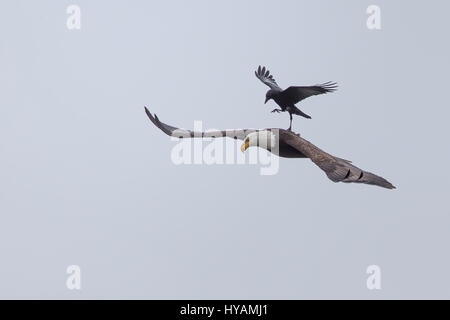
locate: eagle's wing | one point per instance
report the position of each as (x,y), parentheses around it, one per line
(337,169)
(183,133)
(266,78)
(296,94)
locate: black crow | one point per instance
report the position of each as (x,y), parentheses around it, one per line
(287,99)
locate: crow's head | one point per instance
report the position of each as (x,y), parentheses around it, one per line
(269,95)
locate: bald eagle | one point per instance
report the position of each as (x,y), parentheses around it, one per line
(286,144)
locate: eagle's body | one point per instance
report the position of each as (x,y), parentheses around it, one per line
(287,99)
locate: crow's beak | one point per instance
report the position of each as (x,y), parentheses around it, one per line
(267,99)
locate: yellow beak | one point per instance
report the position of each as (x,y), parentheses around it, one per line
(245,146)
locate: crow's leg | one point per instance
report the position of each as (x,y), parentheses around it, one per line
(276,110)
(290,122)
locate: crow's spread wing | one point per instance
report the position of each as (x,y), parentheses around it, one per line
(266,78)
(296,94)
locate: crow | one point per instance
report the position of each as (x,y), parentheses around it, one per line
(287,99)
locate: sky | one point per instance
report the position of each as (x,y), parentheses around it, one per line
(87,180)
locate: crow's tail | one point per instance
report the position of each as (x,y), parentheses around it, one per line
(298,112)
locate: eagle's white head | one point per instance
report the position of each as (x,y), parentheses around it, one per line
(265,139)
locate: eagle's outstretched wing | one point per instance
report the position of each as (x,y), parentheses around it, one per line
(337,169)
(183,133)
(266,78)
(296,94)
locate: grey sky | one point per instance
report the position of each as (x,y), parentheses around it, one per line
(86,179)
